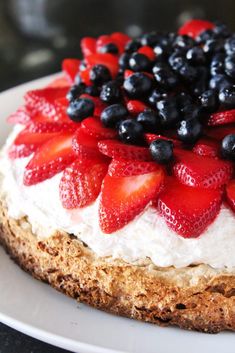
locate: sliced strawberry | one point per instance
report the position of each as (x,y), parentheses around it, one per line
(193,28)
(230,194)
(116,149)
(123,198)
(21,116)
(128,73)
(59,82)
(21,151)
(51,158)
(70,68)
(147,51)
(85,76)
(50,127)
(88,46)
(81,182)
(101,41)
(135,106)
(124,168)
(85,145)
(94,127)
(152,137)
(108,60)
(188,211)
(121,39)
(207,147)
(222,118)
(200,171)
(219,132)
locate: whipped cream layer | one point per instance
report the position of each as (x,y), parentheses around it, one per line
(147,236)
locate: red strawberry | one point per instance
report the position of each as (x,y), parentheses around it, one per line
(207,147)
(85,145)
(70,68)
(148,51)
(51,158)
(94,127)
(123,198)
(21,151)
(193,28)
(124,168)
(199,171)
(152,137)
(99,105)
(135,106)
(88,46)
(50,127)
(116,149)
(101,41)
(230,194)
(221,118)
(128,73)
(59,82)
(81,182)
(219,132)
(21,116)
(85,76)
(121,39)
(108,60)
(188,211)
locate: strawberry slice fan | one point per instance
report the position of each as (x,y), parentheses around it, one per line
(140,123)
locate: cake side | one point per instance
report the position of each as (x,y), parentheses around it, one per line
(196,297)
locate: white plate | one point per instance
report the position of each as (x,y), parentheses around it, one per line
(40,311)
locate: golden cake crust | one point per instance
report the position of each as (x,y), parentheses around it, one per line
(194,297)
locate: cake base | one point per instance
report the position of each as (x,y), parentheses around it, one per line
(195,297)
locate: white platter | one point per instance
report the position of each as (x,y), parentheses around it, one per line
(39,311)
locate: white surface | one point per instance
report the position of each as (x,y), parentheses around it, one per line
(37,310)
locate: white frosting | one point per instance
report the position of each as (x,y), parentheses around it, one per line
(146,236)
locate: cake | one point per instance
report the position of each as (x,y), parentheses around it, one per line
(117,184)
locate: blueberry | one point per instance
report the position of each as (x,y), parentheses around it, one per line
(139,62)
(176,61)
(189,130)
(132,46)
(229,45)
(228,147)
(230,66)
(92,91)
(80,109)
(219,81)
(183,42)
(201,83)
(168,112)
(209,101)
(161,151)
(162,49)
(149,120)
(113,114)
(205,35)
(196,55)
(75,91)
(137,85)
(109,48)
(217,64)
(227,97)
(183,99)
(130,131)
(213,46)
(156,95)
(190,111)
(188,72)
(166,78)
(150,39)
(110,92)
(124,61)
(221,30)
(100,74)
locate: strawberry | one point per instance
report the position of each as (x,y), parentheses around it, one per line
(230,194)
(88,46)
(51,158)
(21,151)
(59,82)
(147,51)
(21,116)
(135,106)
(121,39)
(85,76)
(219,132)
(123,198)
(116,149)
(128,73)
(207,147)
(81,182)
(124,168)
(108,60)
(94,127)
(70,68)
(101,41)
(85,145)
(193,28)
(200,171)
(99,105)
(152,137)
(50,127)
(188,211)
(222,118)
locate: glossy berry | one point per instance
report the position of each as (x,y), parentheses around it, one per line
(149,120)
(75,91)
(80,109)
(132,46)
(230,66)
(166,78)
(124,61)
(139,62)
(109,48)
(230,45)
(176,61)
(113,114)
(228,147)
(189,130)
(227,97)
(161,151)
(209,101)
(196,55)
(156,95)
(190,111)
(137,85)
(219,81)
(110,92)
(131,132)
(213,46)
(100,74)
(217,64)
(205,35)
(168,111)
(92,91)
(183,42)
(150,39)
(187,72)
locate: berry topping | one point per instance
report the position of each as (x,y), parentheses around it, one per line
(189,130)
(115,149)
(230,194)
(123,167)
(70,67)
(131,131)
(110,92)
(113,114)
(193,28)
(207,147)
(94,127)
(227,97)
(99,74)
(80,109)
(228,147)
(137,85)
(139,62)
(221,118)
(161,151)
(149,120)
(85,145)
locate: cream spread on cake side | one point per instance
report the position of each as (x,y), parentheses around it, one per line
(146,236)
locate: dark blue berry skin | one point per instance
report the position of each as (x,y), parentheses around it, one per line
(80,109)
(166,78)
(229,45)
(184,99)
(230,66)
(221,30)
(75,91)
(217,64)
(124,61)
(150,39)
(228,147)
(190,111)
(110,92)
(139,62)
(137,85)
(132,46)
(200,84)
(209,101)
(189,131)
(131,132)
(161,151)
(212,46)
(92,91)
(156,95)
(113,114)
(187,72)
(168,112)
(183,43)
(196,55)
(219,81)
(162,50)
(227,97)
(149,120)
(176,61)
(205,35)
(99,74)
(109,48)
